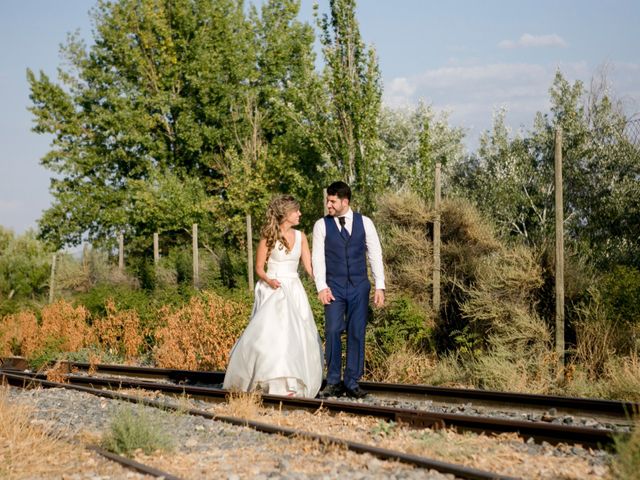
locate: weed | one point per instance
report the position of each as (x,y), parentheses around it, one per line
(627,463)
(135,429)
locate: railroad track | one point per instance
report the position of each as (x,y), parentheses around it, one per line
(613,410)
(26,380)
(185,382)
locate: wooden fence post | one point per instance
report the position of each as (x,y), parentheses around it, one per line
(436,243)
(53,279)
(121,252)
(559,253)
(250,253)
(196,267)
(156,249)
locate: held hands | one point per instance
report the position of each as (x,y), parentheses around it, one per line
(325,296)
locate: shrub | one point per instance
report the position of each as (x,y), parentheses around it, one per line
(19,334)
(119,332)
(61,320)
(133,429)
(200,334)
(627,463)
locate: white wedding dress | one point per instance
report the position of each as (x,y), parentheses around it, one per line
(280,352)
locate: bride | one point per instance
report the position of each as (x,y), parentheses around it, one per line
(280,351)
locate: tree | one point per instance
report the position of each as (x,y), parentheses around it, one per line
(25,265)
(155,111)
(413,140)
(512,178)
(347,132)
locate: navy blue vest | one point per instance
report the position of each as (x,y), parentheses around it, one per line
(345,260)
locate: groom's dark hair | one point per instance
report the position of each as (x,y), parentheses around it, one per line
(340,189)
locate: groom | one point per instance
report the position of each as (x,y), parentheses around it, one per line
(341,241)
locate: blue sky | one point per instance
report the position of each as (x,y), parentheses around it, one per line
(467,57)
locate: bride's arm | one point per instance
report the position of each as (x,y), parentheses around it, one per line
(306,256)
(261,261)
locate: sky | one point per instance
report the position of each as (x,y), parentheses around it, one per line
(469,58)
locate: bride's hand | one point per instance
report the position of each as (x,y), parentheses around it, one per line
(273,283)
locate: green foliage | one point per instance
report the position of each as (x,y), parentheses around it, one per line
(384,428)
(512,179)
(401,322)
(621,293)
(165,120)
(89,354)
(347,133)
(466,341)
(627,462)
(25,265)
(132,429)
(51,351)
(413,141)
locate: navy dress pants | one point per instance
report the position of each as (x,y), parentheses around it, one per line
(348,312)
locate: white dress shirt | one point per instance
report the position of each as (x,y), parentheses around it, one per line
(374,250)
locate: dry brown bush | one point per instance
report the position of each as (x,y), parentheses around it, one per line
(199,335)
(58,373)
(21,330)
(120,333)
(63,321)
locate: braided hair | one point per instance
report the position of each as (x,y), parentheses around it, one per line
(277,211)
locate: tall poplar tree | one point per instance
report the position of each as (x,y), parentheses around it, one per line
(349,125)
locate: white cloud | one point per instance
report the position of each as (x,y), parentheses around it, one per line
(471,93)
(527,40)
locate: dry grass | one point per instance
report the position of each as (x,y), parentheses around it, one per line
(200,335)
(407,366)
(247,405)
(30,450)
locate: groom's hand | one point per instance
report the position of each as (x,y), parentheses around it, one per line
(378,298)
(325,296)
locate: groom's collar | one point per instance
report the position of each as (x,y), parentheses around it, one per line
(348,214)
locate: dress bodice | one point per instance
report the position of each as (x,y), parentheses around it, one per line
(282,264)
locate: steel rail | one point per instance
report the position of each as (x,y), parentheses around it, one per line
(539,431)
(190,377)
(24,381)
(584,406)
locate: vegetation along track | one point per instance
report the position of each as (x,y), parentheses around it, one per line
(26,380)
(199,385)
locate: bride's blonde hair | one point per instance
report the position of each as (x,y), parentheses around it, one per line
(277,211)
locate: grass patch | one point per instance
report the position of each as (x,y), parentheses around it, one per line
(135,429)
(29,449)
(627,463)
